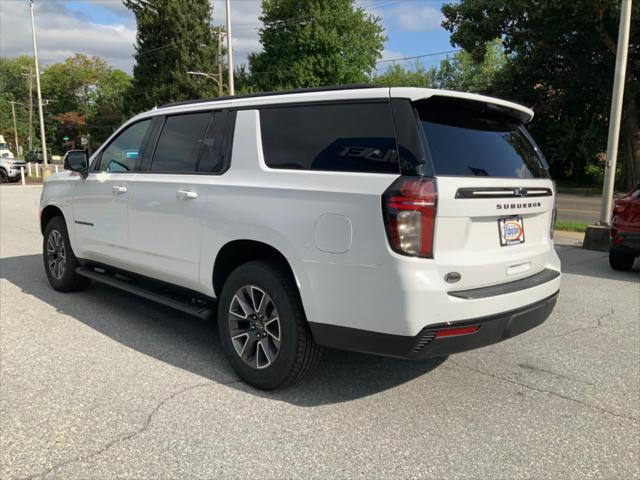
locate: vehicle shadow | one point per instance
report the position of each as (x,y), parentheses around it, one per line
(578,261)
(193,345)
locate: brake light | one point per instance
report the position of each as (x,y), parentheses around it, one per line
(409,209)
(554,213)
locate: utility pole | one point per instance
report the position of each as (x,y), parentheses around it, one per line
(30,75)
(43,139)
(616,113)
(30,108)
(229,50)
(15,129)
(220,35)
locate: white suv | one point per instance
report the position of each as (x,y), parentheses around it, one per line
(399,221)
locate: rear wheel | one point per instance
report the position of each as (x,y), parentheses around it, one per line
(621,260)
(59,261)
(263,328)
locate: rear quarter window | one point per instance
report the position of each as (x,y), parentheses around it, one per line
(333,137)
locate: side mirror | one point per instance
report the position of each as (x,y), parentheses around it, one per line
(77,161)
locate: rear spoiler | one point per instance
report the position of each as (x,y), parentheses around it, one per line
(503,108)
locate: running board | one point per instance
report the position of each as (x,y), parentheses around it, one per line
(200,310)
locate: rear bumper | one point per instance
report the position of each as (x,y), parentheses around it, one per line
(492,329)
(628,242)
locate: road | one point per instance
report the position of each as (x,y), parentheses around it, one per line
(578,208)
(101,384)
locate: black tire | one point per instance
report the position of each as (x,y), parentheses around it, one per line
(4,178)
(60,266)
(297,353)
(621,260)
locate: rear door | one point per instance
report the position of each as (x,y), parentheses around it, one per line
(495,198)
(168,199)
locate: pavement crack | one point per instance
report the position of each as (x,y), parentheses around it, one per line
(588,327)
(144,427)
(533,368)
(549,392)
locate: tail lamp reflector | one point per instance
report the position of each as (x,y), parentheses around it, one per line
(453,332)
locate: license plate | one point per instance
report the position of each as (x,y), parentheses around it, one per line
(511,231)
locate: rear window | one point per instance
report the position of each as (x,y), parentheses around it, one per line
(355,137)
(475,140)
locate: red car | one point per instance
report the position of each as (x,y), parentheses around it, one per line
(625,231)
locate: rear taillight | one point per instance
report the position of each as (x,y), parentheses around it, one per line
(619,207)
(409,210)
(554,213)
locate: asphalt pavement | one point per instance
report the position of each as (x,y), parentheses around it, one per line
(579,208)
(101,384)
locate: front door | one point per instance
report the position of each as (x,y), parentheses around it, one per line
(101,201)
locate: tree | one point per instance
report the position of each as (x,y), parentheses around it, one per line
(14,87)
(416,75)
(173,38)
(310,43)
(560,60)
(460,72)
(84,97)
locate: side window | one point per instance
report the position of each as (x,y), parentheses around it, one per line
(122,153)
(357,137)
(180,141)
(210,159)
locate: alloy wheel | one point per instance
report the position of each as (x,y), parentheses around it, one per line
(56,254)
(254,326)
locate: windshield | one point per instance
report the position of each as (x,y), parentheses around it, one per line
(466,141)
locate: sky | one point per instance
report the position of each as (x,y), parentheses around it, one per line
(106,28)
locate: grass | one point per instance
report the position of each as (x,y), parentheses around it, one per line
(571,226)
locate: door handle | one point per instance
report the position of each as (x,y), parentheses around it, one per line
(186,194)
(118,190)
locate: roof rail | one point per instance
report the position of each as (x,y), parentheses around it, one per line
(353,86)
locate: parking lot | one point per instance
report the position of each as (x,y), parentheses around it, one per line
(101,384)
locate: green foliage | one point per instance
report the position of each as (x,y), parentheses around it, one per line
(310,43)
(173,38)
(82,95)
(416,75)
(559,59)
(467,73)
(14,87)
(571,226)
(459,72)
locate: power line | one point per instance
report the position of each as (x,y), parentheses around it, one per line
(154,50)
(419,56)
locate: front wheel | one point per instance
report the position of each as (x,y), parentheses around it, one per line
(263,328)
(621,260)
(4,178)
(59,261)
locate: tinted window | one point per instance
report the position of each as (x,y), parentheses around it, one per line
(179,143)
(214,146)
(469,143)
(122,154)
(344,138)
